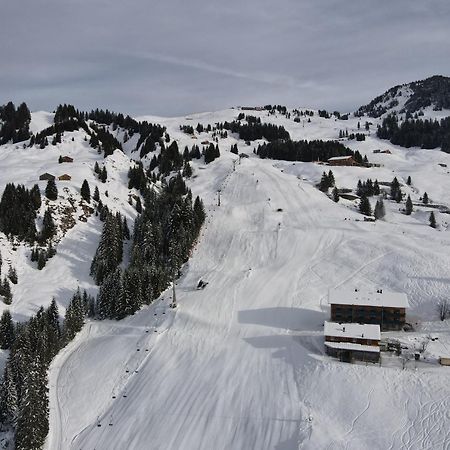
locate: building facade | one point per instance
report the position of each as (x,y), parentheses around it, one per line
(350,341)
(386,309)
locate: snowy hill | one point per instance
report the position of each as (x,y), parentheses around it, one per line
(429,97)
(240,364)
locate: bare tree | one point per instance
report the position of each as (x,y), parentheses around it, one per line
(443,308)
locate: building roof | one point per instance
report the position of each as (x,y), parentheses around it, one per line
(337,158)
(354,347)
(352,330)
(367,297)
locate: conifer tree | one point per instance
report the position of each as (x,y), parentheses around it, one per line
(6,292)
(395,188)
(9,401)
(7,331)
(335,195)
(409,206)
(376,188)
(32,422)
(48,225)
(51,191)
(432,220)
(425,199)
(12,275)
(379,211)
(331,180)
(324,184)
(364,206)
(199,213)
(187,170)
(103,175)
(42,260)
(139,205)
(110,250)
(85,191)
(125,229)
(96,195)
(408,181)
(35,195)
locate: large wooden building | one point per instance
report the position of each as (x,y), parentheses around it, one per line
(349,341)
(383,308)
(342,161)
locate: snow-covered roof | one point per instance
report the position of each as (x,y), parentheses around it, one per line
(355,347)
(368,297)
(336,158)
(352,330)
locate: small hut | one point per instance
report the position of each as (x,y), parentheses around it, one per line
(64,177)
(46,177)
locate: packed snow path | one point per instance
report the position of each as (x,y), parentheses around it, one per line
(239,365)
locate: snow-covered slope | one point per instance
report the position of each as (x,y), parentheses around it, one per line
(69,268)
(240,364)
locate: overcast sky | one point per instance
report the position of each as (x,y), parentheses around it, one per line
(172,57)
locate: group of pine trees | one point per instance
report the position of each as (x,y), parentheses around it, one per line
(327,181)
(33,344)
(15,123)
(306,151)
(368,188)
(416,132)
(255,129)
(18,207)
(211,152)
(5,287)
(162,240)
(57,130)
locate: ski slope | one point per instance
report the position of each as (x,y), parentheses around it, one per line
(240,364)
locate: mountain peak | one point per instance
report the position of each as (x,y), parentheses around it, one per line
(432,93)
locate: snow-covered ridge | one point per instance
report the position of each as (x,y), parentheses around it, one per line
(429,98)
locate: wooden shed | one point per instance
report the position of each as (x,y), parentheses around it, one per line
(65,159)
(47,176)
(64,177)
(444,361)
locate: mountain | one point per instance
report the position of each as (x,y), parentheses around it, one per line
(431,94)
(240,363)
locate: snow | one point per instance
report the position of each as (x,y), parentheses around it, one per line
(40,120)
(339,158)
(355,347)
(368,297)
(352,330)
(241,364)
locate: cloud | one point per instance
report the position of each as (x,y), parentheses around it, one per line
(173,57)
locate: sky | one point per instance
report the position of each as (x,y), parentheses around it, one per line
(174,57)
